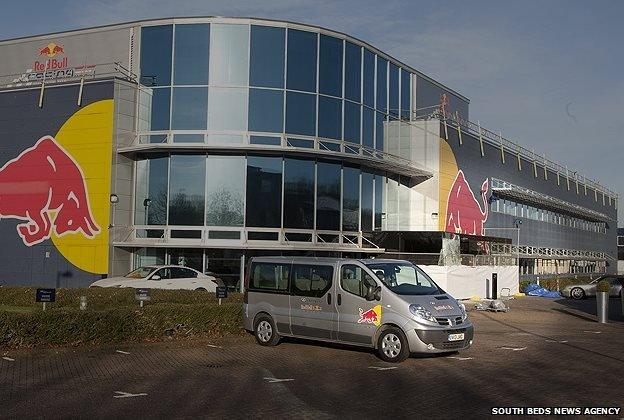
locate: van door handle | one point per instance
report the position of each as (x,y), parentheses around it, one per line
(329,298)
(339,298)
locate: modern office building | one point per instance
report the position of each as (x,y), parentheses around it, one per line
(199,141)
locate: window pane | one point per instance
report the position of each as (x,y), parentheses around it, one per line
(301,73)
(156,55)
(186,190)
(188,138)
(311,280)
(382,87)
(353,76)
(352,122)
(379,187)
(300,113)
(266,67)
(151,192)
(367,202)
(189,108)
(328,196)
(154,109)
(225,191)
(269,276)
(228,109)
(355,280)
(393,92)
(264,191)
(368,127)
(298,194)
(405,94)
(379,130)
(330,118)
(229,56)
(369,79)
(350,199)
(190,66)
(330,66)
(266,110)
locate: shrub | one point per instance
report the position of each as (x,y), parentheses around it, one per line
(524,284)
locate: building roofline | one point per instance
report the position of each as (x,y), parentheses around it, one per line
(250,19)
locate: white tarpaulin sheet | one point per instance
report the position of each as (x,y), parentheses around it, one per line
(463,282)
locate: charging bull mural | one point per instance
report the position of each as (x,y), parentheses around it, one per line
(464,213)
(45,187)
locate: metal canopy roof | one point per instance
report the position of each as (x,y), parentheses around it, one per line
(533,197)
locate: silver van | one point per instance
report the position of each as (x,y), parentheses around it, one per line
(389,305)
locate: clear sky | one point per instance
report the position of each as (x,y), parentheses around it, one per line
(548,74)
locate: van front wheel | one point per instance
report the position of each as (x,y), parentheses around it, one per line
(265,331)
(392,345)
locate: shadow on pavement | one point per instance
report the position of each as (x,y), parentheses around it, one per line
(586,308)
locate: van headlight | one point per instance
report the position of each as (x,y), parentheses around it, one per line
(421,312)
(462,307)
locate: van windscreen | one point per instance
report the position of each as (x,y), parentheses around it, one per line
(405,278)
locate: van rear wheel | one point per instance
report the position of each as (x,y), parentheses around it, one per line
(265,331)
(392,345)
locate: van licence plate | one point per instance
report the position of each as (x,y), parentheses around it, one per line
(456,337)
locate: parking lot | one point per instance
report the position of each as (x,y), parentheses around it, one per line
(541,353)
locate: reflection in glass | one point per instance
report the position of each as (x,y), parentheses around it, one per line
(156,55)
(352,122)
(350,199)
(268,141)
(367,201)
(151,192)
(225,192)
(379,188)
(393,91)
(328,196)
(368,127)
(405,94)
(264,192)
(368,87)
(226,139)
(190,65)
(266,110)
(330,66)
(266,66)
(189,108)
(154,109)
(300,113)
(298,194)
(301,72)
(229,54)
(330,118)
(379,130)
(186,190)
(188,138)
(353,77)
(382,85)
(227,109)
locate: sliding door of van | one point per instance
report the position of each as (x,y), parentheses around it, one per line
(268,292)
(312,306)
(358,318)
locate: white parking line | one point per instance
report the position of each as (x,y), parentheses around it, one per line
(122,394)
(213,346)
(593,332)
(8,359)
(460,358)
(274,380)
(556,341)
(382,367)
(513,348)
(122,352)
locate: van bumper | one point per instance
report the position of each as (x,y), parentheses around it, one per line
(436,340)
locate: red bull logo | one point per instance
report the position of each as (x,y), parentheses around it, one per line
(371,316)
(44,187)
(51,50)
(464,214)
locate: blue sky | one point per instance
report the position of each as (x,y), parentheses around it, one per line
(548,74)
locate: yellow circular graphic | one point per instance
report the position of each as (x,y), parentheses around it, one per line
(87,137)
(448,172)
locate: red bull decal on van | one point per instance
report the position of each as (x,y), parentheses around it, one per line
(371,316)
(45,187)
(463,211)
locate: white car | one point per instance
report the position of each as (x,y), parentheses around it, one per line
(162,277)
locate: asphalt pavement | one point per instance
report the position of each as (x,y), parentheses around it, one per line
(541,353)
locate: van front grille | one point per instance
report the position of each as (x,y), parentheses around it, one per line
(443,321)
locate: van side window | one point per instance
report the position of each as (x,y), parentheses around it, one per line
(355,280)
(269,276)
(311,280)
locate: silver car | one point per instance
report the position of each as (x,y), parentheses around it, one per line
(581,291)
(389,305)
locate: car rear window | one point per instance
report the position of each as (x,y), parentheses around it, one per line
(269,276)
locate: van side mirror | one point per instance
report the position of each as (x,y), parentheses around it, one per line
(378,293)
(373,293)
(155,277)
